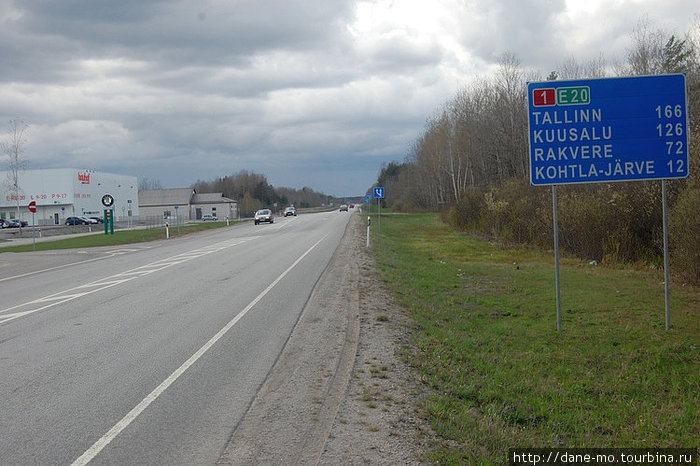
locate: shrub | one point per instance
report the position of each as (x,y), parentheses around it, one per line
(684,234)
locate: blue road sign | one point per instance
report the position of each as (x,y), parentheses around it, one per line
(368,198)
(601,130)
(379,193)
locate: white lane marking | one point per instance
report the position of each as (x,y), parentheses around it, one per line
(107,438)
(108,254)
(114,280)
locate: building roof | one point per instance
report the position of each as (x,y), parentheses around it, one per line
(210,198)
(159,197)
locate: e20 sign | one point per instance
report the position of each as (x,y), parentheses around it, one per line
(602,130)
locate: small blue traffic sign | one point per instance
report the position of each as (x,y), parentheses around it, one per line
(368,198)
(379,193)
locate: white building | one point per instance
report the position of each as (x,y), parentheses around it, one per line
(66,192)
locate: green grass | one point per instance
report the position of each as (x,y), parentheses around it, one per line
(501,374)
(118,238)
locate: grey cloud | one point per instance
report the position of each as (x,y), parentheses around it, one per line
(297,89)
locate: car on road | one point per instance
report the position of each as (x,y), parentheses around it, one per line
(343,207)
(209,217)
(291,210)
(264,215)
(76,221)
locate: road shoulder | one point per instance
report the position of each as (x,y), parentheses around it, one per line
(340,392)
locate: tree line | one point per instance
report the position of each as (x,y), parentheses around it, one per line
(253,192)
(471,162)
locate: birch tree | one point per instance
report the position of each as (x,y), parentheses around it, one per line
(13,147)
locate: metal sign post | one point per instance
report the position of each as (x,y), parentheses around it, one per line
(32,209)
(606,130)
(667,267)
(557,275)
(379,195)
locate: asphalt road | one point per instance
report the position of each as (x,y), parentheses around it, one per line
(150,354)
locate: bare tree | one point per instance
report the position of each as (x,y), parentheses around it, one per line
(510,118)
(571,69)
(13,147)
(146,184)
(646,57)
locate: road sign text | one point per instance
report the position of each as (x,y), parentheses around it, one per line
(617,129)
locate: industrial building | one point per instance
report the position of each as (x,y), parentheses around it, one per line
(66,192)
(185,204)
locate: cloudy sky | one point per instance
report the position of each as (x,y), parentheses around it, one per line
(314,93)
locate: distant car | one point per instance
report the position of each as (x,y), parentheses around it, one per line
(11,223)
(263,215)
(291,210)
(343,207)
(76,221)
(89,220)
(352,206)
(97,219)
(209,217)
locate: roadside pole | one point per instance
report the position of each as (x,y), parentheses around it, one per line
(32,209)
(369,222)
(557,276)
(667,266)
(379,194)
(33,231)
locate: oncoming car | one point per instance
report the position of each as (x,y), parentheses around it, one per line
(291,210)
(263,215)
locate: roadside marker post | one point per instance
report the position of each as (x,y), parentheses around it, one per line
(608,130)
(369,222)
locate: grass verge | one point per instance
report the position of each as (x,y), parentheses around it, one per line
(503,377)
(118,238)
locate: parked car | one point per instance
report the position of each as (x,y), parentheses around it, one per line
(343,207)
(11,223)
(264,215)
(98,219)
(209,217)
(89,220)
(291,210)
(76,221)
(4,223)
